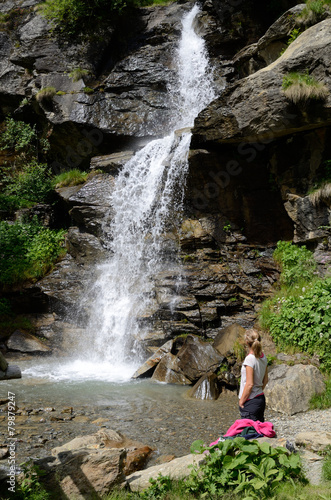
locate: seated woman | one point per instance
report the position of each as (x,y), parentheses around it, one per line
(254,378)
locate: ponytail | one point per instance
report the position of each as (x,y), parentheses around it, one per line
(253,340)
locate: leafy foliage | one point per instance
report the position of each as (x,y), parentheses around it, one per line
(27,251)
(297,263)
(300,314)
(314,11)
(31,184)
(18,136)
(30,487)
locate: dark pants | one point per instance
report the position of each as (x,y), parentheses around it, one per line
(254,408)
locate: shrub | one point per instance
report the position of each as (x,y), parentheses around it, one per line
(301,87)
(18,136)
(46,94)
(27,251)
(297,263)
(326,468)
(302,320)
(70,178)
(31,184)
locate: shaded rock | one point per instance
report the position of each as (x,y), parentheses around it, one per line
(197,358)
(25,342)
(3,363)
(84,247)
(146,370)
(290,388)
(205,388)
(226,338)
(176,469)
(315,441)
(11,372)
(309,219)
(268,48)
(111,164)
(169,371)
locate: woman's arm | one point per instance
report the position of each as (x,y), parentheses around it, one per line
(248,386)
(265,378)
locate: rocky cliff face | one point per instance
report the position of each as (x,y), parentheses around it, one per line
(253,158)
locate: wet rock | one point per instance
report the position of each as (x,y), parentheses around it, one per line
(176,469)
(197,358)
(11,372)
(147,369)
(84,247)
(25,342)
(227,337)
(290,388)
(111,164)
(205,388)
(169,371)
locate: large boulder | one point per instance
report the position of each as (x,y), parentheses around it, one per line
(178,468)
(147,369)
(227,337)
(290,388)
(197,358)
(26,342)
(169,371)
(236,115)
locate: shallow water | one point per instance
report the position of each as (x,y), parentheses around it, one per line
(159,415)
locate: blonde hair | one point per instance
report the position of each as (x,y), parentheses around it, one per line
(253,340)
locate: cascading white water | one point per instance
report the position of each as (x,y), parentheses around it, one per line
(147,192)
(145,195)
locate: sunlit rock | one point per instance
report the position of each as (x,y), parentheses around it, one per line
(169,371)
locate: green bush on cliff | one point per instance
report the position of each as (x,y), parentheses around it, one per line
(314,11)
(299,315)
(73,17)
(27,251)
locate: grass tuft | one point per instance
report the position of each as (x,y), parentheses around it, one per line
(301,87)
(71,178)
(46,94)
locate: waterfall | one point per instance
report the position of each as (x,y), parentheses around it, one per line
(148,192)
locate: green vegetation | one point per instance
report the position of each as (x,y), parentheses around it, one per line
(18,136)
(314,11)
(88,90)
(78,73)
(292,36)
(322,401)
(301,87)
(46,94)
(27,251)
(70,178)
(74,17)
(299,315)
(326,471)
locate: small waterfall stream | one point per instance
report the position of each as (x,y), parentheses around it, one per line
(148,192)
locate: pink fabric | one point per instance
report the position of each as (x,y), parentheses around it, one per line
(214,442)
(265,428)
